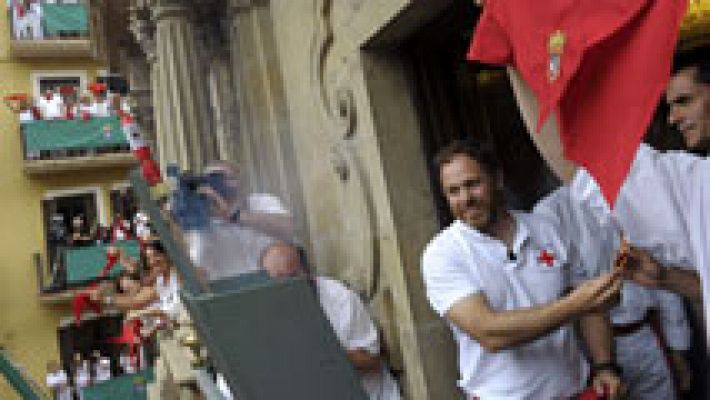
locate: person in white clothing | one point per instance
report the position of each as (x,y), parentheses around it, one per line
(347,315)
(102,367)
(82,375)
(50,104)
(35,20)
(663,204)
(499,279)
(264,212)
(158,298)
(638,346)
(58,382)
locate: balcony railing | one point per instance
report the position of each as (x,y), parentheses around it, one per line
(62,145)
(76,267)
(44,29)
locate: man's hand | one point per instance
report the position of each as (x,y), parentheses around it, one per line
(608,385)
(643,269)
(599,293)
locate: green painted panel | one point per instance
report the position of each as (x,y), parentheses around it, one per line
(272,341)
(83,264)
(121,388)
(64,18)
(73,134)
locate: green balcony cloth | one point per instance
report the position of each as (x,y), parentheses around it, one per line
(84,264)
(65,18)
(119,388)
(73,134)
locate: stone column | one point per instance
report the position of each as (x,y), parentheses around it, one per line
(263,120)
(142,75)
(181,96)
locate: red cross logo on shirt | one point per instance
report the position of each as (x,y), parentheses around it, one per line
(546,258)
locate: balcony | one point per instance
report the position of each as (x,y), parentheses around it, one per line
(55,146)
(43,30)
(75,269)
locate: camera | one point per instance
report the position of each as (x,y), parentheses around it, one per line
(192,208)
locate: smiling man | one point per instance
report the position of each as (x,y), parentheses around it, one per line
(688,97)
(499,279)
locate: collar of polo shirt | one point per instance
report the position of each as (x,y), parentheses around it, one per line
(521,237)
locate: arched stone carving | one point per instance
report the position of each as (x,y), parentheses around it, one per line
(358,216)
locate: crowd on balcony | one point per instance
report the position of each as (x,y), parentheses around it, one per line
(27,18)
(145,290)
(63,103)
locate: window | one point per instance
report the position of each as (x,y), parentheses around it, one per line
(52,80)
(59,209)
(123,202)
(54,84)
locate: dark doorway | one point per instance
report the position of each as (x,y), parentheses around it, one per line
(58,213)
(459,99)
(123,203)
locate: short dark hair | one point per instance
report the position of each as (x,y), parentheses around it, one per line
(698,58)
(156,245)
(482,153)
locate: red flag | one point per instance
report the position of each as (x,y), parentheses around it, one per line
(130,335)
(602,64)
(97,88)
(82,300)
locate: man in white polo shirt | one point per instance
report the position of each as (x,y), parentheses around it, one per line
(499,279)
(651,331)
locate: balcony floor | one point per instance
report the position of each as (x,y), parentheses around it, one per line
(104,160)
(64,48)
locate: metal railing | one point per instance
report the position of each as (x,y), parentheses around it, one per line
(20,381)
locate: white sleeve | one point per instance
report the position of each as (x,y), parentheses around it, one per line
(362,333)
(266,203)
(674,323)
(447,278)
(348,316)
(585,238)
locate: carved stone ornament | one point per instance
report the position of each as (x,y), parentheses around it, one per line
(358,218)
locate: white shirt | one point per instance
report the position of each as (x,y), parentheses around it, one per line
(59,383)
(460,261)
(51,109)
(127,364)
(168,297)
(101,109)
(593,242)
(102,370)
(355,330)
(663,207)
(226,250)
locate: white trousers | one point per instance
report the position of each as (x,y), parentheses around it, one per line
(644,366)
